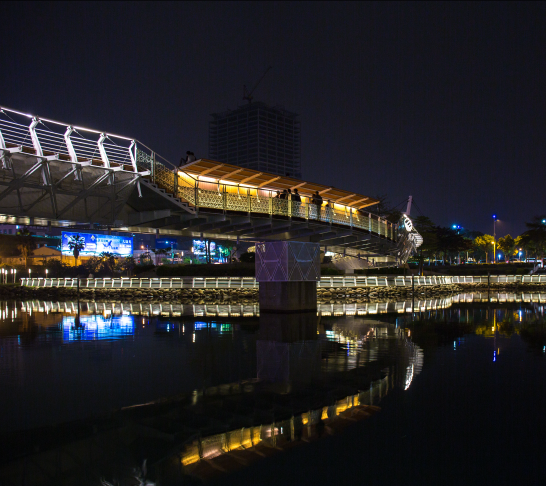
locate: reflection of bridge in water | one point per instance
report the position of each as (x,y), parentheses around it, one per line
(240,310)
(227,310)
(331,373)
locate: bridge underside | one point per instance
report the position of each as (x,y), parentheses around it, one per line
(149,214)
(53,187)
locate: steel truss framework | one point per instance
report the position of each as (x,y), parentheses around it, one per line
(60,176)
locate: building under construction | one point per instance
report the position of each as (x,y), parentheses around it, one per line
(259,137)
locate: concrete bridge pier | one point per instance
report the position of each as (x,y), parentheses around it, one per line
(288,272)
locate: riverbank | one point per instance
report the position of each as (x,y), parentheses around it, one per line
(244,296)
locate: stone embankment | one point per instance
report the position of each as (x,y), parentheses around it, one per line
(250,296)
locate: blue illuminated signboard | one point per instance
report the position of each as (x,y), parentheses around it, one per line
(96,244)
(166,243)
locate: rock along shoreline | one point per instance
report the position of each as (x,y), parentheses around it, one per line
(250,296)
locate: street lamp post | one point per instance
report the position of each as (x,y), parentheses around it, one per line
(494,239)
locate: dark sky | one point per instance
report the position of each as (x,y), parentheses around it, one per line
(444,101)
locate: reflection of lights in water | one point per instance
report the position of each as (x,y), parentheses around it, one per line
(97,327)
(494,356)
(409,376)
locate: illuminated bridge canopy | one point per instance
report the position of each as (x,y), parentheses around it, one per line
(212,171)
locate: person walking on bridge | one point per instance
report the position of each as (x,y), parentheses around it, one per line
(317,201)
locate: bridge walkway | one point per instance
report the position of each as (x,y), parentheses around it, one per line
(72,176)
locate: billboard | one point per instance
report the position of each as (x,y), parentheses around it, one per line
(96,244)
(166,243)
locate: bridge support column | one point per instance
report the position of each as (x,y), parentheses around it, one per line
(288,272)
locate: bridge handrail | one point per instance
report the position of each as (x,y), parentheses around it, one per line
(233,198)
(76,144)
(250,282)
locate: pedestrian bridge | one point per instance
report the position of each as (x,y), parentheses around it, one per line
(65,175)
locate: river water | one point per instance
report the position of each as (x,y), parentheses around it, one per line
(460,382)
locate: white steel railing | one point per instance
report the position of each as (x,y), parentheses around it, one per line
(45,137)
(204,194)
(250,282)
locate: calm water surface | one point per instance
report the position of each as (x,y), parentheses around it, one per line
(461,382)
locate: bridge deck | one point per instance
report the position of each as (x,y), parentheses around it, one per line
(60,172)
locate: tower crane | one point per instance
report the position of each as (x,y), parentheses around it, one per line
(247,95)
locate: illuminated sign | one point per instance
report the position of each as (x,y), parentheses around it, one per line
(95,327)
(166,243)
(218,253)
(95,244)
(199,247)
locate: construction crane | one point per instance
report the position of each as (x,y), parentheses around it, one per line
(247,95)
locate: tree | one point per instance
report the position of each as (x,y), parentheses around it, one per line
(427,229)
(534,239)
(385,210)
(25,244)
(485,244)
(161,251)
(126,265)
(94,265)
(76,244)
(507,245)
(108,262)
(451,242)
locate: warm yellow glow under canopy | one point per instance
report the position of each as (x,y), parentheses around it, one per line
(211,171)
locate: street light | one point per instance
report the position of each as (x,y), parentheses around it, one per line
(46,270)
(520,254)
(494,235)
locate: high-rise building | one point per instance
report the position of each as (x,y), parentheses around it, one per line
(257,136)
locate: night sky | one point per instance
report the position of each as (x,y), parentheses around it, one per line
(443,101)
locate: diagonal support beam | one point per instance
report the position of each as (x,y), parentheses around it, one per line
(84,194)
(19,182)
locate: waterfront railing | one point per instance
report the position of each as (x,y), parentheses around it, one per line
(250,282)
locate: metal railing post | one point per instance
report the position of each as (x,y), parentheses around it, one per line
(196,194)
